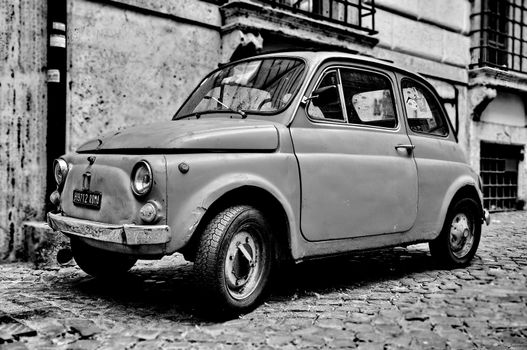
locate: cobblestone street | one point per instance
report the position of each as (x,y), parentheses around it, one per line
(392,299)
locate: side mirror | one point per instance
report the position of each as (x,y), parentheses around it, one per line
(324,95)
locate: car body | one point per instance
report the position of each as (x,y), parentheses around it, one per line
(328,152)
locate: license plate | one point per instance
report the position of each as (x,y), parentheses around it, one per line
(87,199)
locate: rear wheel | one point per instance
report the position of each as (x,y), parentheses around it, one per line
(459,238)
(100,263)
(233,259)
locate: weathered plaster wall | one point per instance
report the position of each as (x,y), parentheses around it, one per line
(128,66)
(465,122)
(425,36)
(451,13)
(23,108)
(508,109)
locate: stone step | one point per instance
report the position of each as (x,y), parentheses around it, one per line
(43,244)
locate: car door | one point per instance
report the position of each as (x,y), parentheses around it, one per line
(358,175)
(437,156)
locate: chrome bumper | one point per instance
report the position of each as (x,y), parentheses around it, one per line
(486,216)
(121,234)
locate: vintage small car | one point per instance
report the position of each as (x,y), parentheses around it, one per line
(278,158)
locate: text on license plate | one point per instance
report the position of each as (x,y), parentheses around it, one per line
(87,199)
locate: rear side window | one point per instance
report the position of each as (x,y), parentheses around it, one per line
(422,110)
(368,98)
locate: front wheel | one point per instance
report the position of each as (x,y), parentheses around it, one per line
(234,259)
(459,238)
(100,263)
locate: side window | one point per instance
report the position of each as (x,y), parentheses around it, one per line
(368,98)
(327,104)
(422,110)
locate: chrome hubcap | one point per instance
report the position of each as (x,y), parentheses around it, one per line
(461,235)
(243,265)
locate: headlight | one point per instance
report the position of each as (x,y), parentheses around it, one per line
(142,178)
(60,170)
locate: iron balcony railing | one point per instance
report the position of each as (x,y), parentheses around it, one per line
(356,14)
(499,34)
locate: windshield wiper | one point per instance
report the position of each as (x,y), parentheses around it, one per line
(239,111)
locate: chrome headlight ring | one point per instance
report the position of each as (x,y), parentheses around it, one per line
(142,178)
(60,171)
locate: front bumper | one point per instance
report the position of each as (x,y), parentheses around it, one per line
(130,235)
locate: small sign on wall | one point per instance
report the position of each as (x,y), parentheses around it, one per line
(57,40)
(53,76)
(59,26)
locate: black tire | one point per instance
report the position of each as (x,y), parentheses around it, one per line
(233,261)
(459,239)
(100,263)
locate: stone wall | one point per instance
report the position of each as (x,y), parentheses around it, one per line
(426,36)
(134,62)
(23,107)
(129,62)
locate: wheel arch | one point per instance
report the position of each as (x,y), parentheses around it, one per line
(465,187)
(467,191)
(257,197)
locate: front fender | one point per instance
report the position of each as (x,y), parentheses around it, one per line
(276,175)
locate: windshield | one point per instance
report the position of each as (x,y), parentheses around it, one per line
(261,86)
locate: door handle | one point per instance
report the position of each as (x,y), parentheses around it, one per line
(409,148)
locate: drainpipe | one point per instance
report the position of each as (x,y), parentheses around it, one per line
(56,78)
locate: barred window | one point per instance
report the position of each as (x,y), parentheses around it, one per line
(499,34)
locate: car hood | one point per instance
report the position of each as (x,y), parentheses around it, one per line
(201,135)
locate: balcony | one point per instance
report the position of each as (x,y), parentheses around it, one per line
(357,14)
(295,24)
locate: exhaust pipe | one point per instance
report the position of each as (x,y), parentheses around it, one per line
(64,256)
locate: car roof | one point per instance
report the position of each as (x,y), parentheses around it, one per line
(316,57)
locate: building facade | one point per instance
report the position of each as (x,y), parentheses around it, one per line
(497,91)
(72,71)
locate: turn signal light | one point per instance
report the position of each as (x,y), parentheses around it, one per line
(149,212)
(55,198)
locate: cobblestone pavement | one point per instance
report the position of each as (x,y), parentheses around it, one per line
(392,299)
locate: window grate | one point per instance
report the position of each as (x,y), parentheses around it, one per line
(499,174)
(357,14)
(499,34)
